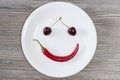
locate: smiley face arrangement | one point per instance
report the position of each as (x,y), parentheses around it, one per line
(59,39)
(47,31)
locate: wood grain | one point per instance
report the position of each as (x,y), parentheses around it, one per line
(104,66)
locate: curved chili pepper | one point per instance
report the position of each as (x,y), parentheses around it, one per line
(58,58)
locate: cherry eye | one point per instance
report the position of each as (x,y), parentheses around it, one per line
(72,31)
(47,30)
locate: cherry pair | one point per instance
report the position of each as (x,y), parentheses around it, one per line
(71,30)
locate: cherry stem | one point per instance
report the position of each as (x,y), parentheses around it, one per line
(63,22)
(56,22)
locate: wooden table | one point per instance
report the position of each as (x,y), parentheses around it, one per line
(104,66)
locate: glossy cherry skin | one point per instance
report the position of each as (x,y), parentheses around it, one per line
(47,30)
(72,31)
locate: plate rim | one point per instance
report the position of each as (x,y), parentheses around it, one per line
(28,18)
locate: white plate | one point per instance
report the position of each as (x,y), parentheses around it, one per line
(59,41)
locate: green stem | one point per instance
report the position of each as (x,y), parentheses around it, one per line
(42,47)
(55,22)
(63,23)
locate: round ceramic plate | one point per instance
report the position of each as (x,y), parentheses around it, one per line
(59,42)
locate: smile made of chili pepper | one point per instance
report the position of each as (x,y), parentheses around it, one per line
(58,58)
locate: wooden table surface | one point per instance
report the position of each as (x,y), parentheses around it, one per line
(105,65)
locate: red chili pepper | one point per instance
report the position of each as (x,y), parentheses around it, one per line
(58,58)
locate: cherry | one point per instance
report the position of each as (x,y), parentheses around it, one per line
(72,31)
(47,30)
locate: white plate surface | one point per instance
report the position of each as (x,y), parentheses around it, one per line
(59,41)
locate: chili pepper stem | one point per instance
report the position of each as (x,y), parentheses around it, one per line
(42,47)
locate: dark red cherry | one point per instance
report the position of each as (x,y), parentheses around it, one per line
(47,30)
(72,31)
